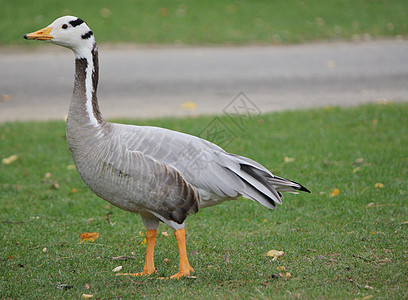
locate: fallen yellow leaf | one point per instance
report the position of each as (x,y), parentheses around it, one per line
(144,242)
(334,193)
(356,169)
(378,185)
(275,254)
(88,236)
(10,159)
(190,105)
(87,296)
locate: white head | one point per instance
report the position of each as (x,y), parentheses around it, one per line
(68,31)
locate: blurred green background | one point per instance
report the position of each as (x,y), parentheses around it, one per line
(199,22)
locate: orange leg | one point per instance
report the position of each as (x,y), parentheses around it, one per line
(151,241)
(149,264)
(184,266)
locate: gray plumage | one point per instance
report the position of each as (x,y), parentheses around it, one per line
(161,174)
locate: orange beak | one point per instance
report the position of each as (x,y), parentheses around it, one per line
(42,35)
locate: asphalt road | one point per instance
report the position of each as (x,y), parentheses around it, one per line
(140,82)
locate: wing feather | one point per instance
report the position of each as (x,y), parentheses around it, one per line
(207,166)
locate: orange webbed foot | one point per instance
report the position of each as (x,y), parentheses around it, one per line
(182,273)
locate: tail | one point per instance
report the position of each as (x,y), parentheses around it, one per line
(261,185)
(285,185)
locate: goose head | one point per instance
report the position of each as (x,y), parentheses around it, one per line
(67,31)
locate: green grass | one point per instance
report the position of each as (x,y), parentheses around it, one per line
(200,22)
(349,246)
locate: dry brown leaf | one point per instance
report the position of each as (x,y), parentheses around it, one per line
(117,269)
(105,12)
(6,98)
(284,274)
(227,258)
(359,161)
(288,159)
(54,186)
(88,236)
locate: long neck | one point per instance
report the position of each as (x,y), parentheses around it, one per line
(84,109)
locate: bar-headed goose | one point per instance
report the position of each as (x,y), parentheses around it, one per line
(161,174)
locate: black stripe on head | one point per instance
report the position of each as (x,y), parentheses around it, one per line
(87,35)
(76,22)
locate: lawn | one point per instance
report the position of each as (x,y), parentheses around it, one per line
(198,22)
(348,239)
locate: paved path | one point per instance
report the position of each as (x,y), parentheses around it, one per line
(149,82)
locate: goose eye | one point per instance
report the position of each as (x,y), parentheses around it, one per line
(65,26)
